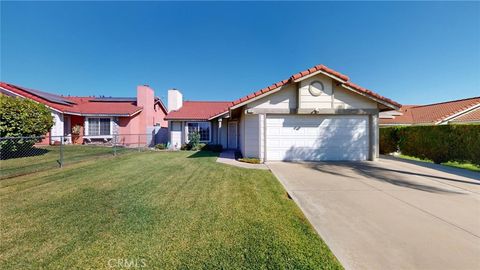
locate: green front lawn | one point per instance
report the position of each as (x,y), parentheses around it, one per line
(164,210)
(467,166)
(47,157)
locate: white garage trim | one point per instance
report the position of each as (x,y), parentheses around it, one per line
(317,137)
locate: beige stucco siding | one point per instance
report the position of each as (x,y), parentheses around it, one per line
(251,135)
(346,99)
(283,99)
(324,101)
(333,97)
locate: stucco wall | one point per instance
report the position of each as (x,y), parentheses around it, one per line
(159,116)
(57,128)
(333,95)
(345,99)
(284,99)
(324,101)
(252,129)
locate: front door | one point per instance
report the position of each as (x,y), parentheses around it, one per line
(232,135)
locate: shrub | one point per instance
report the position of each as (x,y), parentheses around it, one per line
(440,144)
(161,146)
(21,117)
(193,141)
(200,146)
(388,140)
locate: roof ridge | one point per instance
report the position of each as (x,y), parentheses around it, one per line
(444,102)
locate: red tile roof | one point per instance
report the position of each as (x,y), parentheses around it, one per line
(472,116)
(199,110)
(345,80)
(79,105)
(432,113)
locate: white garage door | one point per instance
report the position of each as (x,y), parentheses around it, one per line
(314,137)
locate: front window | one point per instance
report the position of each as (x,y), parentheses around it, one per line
(203,128)
(99,126)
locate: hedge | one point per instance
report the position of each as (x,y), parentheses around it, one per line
(388,140)
(21,117)
(438,143)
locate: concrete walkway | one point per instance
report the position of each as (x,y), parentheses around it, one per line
(228,157)
(389,214)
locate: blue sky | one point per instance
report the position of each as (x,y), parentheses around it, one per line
(412,52)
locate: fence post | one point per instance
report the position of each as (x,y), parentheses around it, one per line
(114,144)
(61,152)
(138,142)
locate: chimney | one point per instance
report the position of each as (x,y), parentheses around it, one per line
(175,100)
(146,100)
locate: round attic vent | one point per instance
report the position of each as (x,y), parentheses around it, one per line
(316,88)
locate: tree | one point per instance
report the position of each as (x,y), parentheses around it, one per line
(20,117)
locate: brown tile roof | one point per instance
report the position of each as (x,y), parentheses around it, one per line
(199,110)
(431,113)
(472,116)
(341,77)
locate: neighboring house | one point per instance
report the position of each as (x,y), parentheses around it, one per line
(463,111)
(100,118)
(317,114)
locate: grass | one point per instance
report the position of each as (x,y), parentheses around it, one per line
(47,157)
(467,166)
(168,210)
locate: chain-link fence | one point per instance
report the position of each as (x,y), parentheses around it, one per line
(25,155)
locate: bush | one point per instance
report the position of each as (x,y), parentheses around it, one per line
(200,146)
(388,140)
(440,144)
(20,117)
(161,146)
(193,141)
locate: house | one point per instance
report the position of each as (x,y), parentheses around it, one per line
(100,118)
(317,114)
(462,111)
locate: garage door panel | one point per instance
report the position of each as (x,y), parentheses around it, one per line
(301,137)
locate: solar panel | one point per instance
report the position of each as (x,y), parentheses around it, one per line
(115,99)
(48,96)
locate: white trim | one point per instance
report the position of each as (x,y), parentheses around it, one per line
(257,97)
(370,97)
(318,72)
(218,115)
(103,115)
(453,116)
(86,128)
(194,122)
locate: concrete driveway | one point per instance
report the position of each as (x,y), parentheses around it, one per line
(390,214)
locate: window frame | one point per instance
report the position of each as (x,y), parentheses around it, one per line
(87,127)
(197,122)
